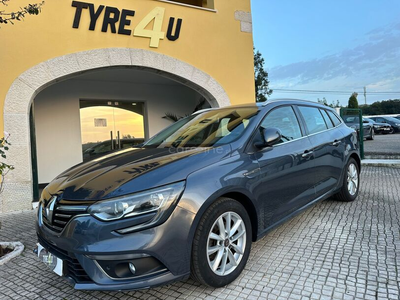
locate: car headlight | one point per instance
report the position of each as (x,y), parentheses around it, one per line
(155,200)
(353,126)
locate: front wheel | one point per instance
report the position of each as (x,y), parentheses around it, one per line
(351,182)
(221,244)
(371,135)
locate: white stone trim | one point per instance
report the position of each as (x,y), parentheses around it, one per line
(17,193)
(246,22)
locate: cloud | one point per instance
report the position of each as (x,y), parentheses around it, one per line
(376,60)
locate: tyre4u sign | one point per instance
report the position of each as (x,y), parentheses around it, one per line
(113,16)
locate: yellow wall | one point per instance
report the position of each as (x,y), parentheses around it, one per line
(212,42)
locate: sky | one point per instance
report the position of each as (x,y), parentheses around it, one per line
(325,45)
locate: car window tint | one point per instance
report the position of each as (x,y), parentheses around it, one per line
(207,129)
(102,148)
(127,145)
(313,118)
(334,118)
(284,119)
(328,121)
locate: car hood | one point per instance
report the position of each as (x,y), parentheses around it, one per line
(132,170)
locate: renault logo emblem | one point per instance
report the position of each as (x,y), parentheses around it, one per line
(50,208)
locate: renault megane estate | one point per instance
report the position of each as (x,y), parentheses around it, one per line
(192,199)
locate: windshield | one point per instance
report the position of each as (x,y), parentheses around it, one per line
(392,119)
(211,128)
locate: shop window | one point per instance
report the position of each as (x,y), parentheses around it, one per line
(200,3)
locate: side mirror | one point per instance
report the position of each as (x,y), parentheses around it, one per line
(365,122)
(270,136)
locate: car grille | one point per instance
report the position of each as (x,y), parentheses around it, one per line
(72,267)
(62,213)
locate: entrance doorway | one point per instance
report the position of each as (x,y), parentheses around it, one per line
(97,112)
(109,125)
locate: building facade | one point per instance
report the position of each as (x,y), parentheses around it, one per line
(82,77)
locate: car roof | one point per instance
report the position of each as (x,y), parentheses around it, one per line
(261,105)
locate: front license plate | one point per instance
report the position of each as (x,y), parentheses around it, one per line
(50,260)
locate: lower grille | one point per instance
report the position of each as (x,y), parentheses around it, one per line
(72,267)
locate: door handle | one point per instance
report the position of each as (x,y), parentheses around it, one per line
(307,154)
(336,143)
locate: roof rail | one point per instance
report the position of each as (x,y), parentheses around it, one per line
(202,110)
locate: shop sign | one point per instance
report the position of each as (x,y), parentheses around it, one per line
(119,22)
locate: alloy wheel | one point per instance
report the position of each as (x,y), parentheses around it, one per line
(352,179)
(226,243)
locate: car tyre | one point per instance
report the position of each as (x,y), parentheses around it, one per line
(371,135)
(233,252)
(351,182)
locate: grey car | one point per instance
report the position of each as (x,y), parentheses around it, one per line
(193,198)
(354,122)
(394,122)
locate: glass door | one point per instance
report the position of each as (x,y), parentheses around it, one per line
(108,126)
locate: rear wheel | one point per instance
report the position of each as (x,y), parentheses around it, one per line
(222,243)
(371,135)
(351,182)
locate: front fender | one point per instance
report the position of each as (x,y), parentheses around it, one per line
(205,186)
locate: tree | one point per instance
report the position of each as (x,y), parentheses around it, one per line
(382,107)
(4,168)
(353,103)
(325,102)
(261,78)
(12,16)
(175,118)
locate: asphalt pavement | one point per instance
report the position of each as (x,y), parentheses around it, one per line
(384,146)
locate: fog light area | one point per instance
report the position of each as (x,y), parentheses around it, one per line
(131,268)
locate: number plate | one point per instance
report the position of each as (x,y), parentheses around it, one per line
(50,260)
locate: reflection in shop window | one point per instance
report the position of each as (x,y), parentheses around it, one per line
(201,3)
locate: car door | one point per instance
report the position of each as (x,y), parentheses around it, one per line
(286,180)
(327,146)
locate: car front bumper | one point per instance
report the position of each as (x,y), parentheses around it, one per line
(86,243)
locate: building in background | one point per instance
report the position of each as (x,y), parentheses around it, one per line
(84,78)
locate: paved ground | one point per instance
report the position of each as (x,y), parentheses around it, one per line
(332,251)
(383,146)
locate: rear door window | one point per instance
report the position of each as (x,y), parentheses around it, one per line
(328,121)
(314,121)
(334,118)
